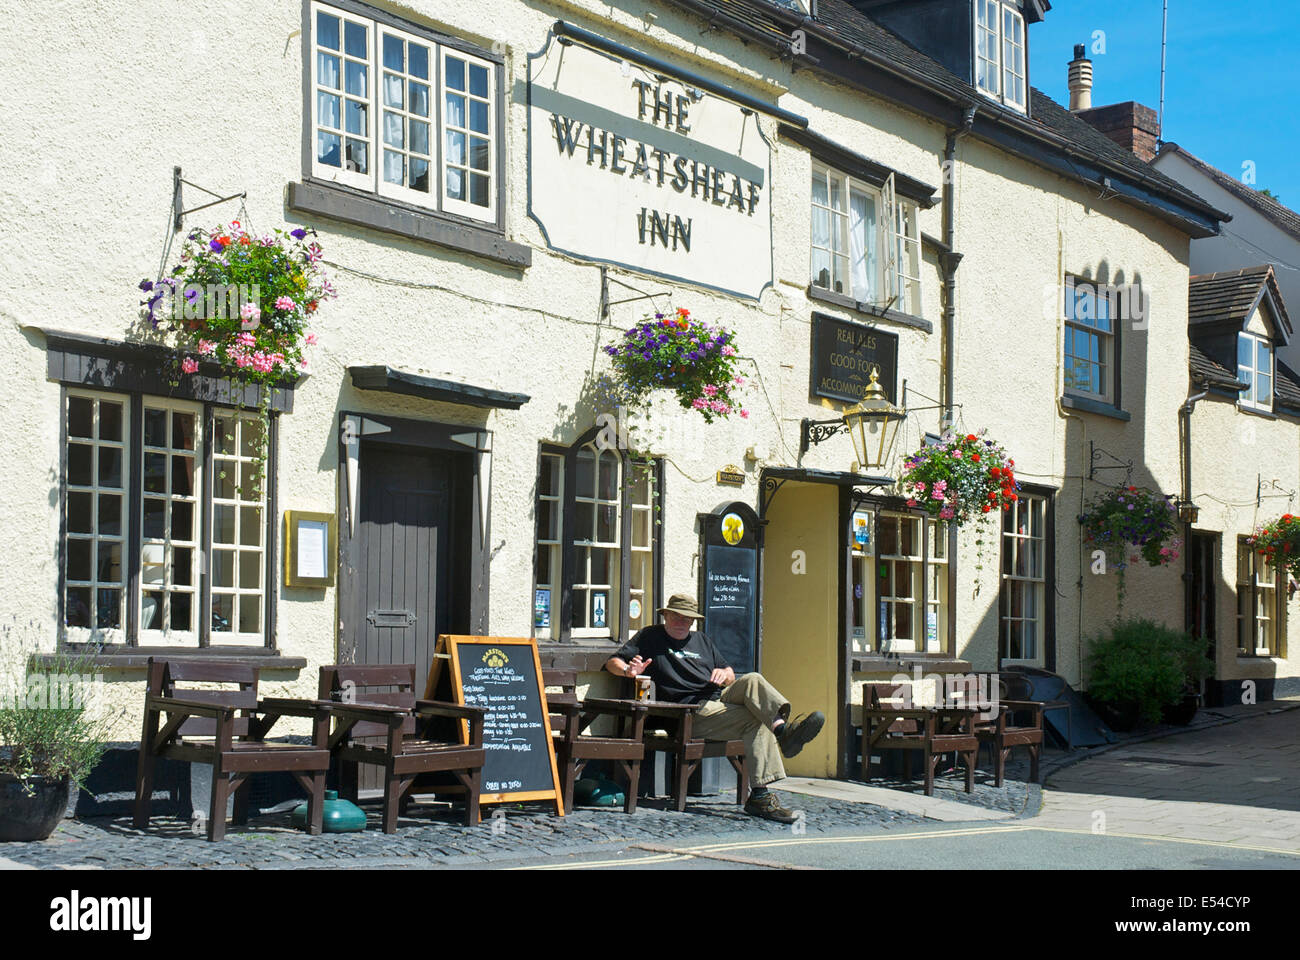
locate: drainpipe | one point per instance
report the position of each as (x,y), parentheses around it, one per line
(1185,438)
(950,258)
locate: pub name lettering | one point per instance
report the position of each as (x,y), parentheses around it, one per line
(625,157)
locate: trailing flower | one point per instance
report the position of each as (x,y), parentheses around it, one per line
(696,361)
(241,302)
(1126,517)
(1133,516)
(1279,543)
(962,478)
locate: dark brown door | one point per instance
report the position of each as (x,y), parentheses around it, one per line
(1204,579)
(403,556)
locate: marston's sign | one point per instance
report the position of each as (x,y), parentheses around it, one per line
(843,356)
(630,168)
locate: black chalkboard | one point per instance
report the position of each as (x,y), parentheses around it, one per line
(503,676)
(730,582)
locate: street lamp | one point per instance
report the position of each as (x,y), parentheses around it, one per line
(872,424)
(1188,512)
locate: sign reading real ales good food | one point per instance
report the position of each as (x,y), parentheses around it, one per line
(641,170)
(844,355)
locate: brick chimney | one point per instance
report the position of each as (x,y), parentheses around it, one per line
(1130,124)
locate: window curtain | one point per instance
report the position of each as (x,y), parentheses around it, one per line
(862,246)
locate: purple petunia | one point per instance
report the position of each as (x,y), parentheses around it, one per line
(215,246)
(146,285)
(298,234)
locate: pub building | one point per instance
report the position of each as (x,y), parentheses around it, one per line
(500,190)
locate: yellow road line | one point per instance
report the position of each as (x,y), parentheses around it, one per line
(631,862)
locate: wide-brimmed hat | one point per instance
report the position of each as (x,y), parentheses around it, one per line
(683,604)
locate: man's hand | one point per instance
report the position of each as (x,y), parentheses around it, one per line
(723,677)
(637,666)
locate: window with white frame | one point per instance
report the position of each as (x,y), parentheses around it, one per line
(1023,599)
(238,530)
(1089,342)
(905,584)
(608,551)
(1255,369)
(1000,55)
(866,244)
(170,522)
(133,552)
(1261,604)
(404,115)
(97,478)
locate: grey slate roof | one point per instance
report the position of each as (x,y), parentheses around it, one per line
(1283,217)
(856,27)
(1205,370)
(1230,295)
(1286,385)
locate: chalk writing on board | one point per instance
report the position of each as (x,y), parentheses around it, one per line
(728,591)
(502,693)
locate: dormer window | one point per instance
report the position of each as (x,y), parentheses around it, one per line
(1000,53)
(1255,369)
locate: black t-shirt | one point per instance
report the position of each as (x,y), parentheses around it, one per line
(680,668)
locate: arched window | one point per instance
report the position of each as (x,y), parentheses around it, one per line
(598,564)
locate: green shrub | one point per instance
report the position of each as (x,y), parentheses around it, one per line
(1142,662)
(50,722)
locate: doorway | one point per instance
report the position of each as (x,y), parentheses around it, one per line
(405,553)
(1204,577)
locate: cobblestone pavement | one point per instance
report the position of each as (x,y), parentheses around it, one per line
(431,834)
(1235,783)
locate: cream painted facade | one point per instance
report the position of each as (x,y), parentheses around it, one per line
(115,103)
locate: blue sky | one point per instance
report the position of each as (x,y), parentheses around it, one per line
(1230,81)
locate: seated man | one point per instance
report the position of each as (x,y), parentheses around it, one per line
(687,668)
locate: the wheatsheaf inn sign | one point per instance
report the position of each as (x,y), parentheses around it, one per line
(640,170)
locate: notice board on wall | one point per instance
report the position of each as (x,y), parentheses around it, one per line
(729,583)
(503,675)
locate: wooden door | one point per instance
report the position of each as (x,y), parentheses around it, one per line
(1204,580)
(404,560)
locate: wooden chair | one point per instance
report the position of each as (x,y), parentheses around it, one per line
(687,751)
(237,746)
(569,717)
(404,746)
(888,724)
(999,728)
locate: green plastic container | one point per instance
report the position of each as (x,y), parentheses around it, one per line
(341,816)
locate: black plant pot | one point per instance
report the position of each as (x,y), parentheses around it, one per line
(1181,713)
(34,817)
(1120,717)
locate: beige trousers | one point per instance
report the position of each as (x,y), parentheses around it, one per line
(746,712)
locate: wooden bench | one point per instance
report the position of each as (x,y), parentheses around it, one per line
(236,747)
(574,749)
(687,751)
(1002,729)
(403,746)
(889,724)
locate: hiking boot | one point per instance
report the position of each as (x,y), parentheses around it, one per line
(795,733)
(767,806)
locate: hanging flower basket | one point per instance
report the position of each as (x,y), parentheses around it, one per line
(960,479)
(1279,542)
(698,362)
(1118,520)
(242,303)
